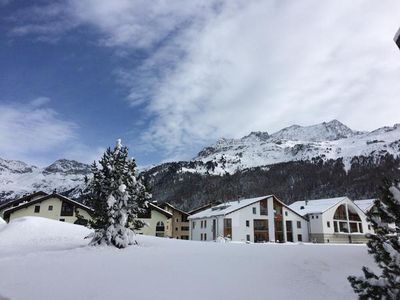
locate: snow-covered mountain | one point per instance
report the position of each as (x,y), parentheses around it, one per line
(331,140)
(18,178)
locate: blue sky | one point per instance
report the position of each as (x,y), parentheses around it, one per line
(169,77)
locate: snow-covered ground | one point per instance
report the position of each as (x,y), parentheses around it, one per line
(44,259)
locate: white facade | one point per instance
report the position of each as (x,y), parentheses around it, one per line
(335,220)
(252,220)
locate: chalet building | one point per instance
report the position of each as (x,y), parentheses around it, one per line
(178,224)
(156,220)
(334,220)
(53,206)
(19,201)
(262,219)
(57,207)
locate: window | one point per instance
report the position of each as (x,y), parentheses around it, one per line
(369,227)
(201,224)
(177,219)
(247,223)
(298,224)
(205,223)
(316,217)
(277,208)
(227,227)
(248,237)
(184,237)
(264,207)
(67,209)
(360,228)
(62,220)
(205,236)
(353,227)
(201,236)
(299,238)
(260,225)
(335,227)
(328,224)
(37,209)
(312,216)
(340,213)
(185,228)
(176,228)
(254,210)
(343,227)
(160,226)
(50,207)
(193,224)
(286,213)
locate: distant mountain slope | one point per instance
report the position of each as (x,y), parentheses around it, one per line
(17,178)
(330,140)
(294,163)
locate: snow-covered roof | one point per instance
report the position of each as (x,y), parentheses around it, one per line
(365,204)
(315,206)
(227,207)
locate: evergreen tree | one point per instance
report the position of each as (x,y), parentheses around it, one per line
(117,196)
(384,245)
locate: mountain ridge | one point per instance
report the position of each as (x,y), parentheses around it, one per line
(257,152)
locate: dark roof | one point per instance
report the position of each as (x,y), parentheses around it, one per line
(55,195)
(160,210)
(26,198)
(173,207)
(198,209)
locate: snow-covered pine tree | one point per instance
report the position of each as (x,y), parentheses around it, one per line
(384,245)
(117,196)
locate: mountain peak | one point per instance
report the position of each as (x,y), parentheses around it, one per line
(326,131)
(66,166)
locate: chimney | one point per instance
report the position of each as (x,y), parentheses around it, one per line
(55,191)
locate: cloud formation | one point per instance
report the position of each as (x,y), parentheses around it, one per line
(226,68)
(33,131)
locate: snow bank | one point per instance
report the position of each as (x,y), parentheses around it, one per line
(31,234)
(169,269)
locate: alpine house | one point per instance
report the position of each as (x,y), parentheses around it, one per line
(334,220)
(261,219)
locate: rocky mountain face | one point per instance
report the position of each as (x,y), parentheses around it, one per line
(295,163)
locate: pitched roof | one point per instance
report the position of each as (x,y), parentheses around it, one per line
(230,207)
(315,206)
(160,210)
(200,208)
(26,198)
(174,208)
(54,195)
(365,204)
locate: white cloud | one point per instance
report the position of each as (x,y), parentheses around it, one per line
(37,134)
(226,68)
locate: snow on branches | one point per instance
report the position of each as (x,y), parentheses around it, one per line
(117,196)
(384,245)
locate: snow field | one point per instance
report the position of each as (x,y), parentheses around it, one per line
(45,259)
